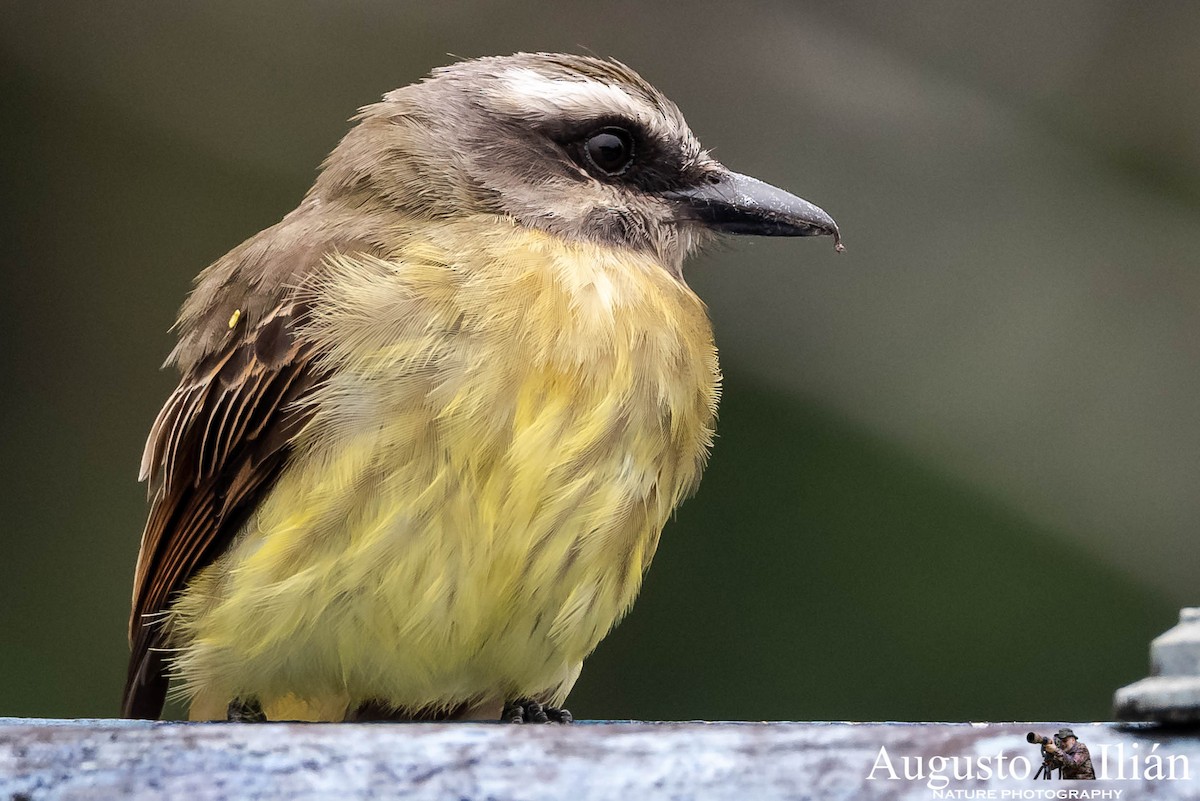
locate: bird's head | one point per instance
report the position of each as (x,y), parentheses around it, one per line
(577,146)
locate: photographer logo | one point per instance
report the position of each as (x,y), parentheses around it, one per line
(1061,756)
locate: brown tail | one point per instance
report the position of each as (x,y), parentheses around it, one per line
(146,683)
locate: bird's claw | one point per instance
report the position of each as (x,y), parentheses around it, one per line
(248,711)
(525,710)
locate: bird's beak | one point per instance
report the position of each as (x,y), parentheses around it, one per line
(738,204)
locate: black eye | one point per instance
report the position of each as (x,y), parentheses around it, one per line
(610,150)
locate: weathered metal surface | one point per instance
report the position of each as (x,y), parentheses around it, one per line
(1171,694)
(46,760)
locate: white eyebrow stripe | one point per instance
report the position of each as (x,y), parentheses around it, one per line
(528,90)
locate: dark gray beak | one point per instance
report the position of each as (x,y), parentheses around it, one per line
(738,204)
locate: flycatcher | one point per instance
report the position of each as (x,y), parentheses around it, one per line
(430,424)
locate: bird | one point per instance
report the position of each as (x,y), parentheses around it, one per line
(430,425)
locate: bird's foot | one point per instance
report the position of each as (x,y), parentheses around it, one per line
(248,711)
(525,710)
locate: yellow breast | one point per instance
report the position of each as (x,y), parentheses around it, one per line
(510,421)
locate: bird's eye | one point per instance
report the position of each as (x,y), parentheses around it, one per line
(610,150)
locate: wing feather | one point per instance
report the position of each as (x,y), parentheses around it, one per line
(224,434)
(219,443)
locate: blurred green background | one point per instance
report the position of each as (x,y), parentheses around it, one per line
(957,469)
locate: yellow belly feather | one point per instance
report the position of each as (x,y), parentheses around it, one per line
(510,422)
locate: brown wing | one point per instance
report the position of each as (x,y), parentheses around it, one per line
(224,435)
(218,444)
